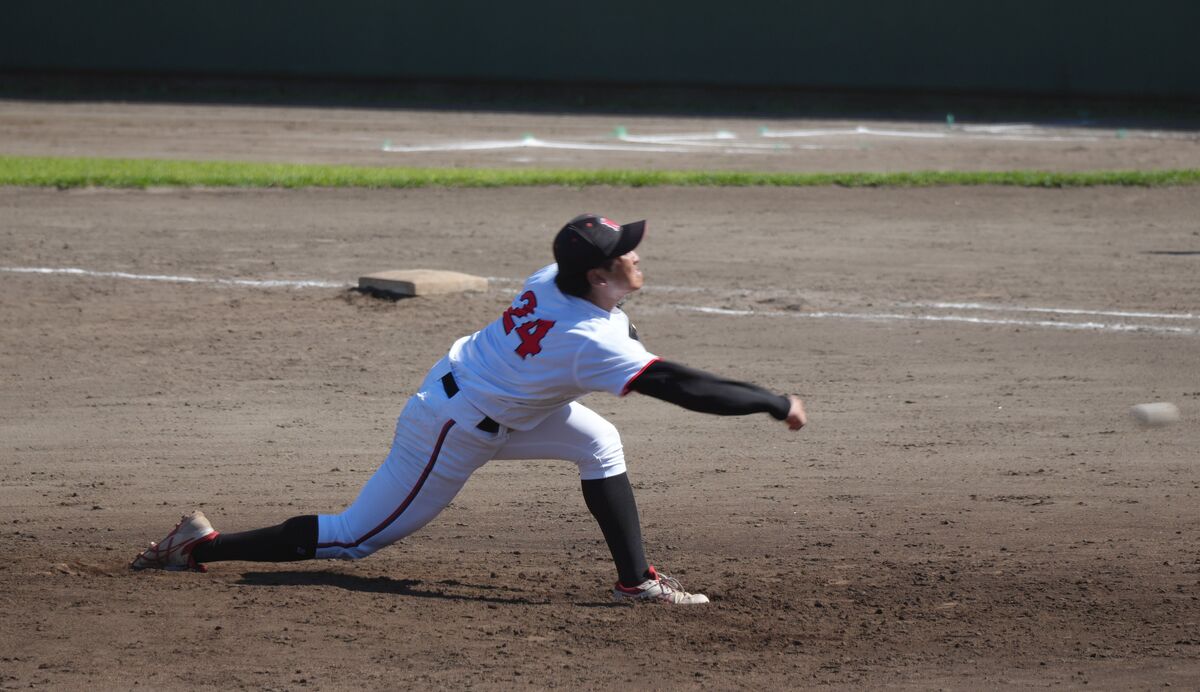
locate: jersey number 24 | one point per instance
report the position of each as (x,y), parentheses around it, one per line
(531,331)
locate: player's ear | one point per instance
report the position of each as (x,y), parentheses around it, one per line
(596,277)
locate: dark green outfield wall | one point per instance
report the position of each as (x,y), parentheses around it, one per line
(1077,47)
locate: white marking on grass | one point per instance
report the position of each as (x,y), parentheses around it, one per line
(256,283)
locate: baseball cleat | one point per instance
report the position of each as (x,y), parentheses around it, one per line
(174,553)
(659,588)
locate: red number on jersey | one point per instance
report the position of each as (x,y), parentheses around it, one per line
(531,334)
(530,301)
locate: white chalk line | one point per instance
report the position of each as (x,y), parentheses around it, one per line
(765,132)
(718,139)
(967,319)
(896,317)
(875,317)
(1026,136)
(732,143)
(527,143)
(1039,132)
(721,145)
(1056,311)
(665,145)
(983,307)
(256,283)
(686,137)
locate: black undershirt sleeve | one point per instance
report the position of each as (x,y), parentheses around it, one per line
(697,390)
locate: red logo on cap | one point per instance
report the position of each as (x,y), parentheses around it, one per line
(611,224)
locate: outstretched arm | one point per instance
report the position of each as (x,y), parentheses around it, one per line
(697,390)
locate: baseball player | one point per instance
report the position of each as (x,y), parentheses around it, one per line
(509,391)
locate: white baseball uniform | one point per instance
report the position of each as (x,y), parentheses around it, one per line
(511,394)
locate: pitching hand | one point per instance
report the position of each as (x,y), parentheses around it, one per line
(796,417)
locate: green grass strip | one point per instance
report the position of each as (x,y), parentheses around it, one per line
(29,171)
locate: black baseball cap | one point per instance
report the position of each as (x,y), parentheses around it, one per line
(588,241)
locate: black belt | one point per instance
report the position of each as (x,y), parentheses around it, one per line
(487,424)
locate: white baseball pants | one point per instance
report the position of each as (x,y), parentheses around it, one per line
(437,447)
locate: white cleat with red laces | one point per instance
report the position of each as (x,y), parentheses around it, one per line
(174,553)
(658,588)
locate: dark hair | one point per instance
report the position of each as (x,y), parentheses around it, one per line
(575,282)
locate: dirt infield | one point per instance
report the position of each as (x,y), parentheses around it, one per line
(466,139)
(972,505)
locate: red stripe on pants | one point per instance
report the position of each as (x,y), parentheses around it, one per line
(407,501)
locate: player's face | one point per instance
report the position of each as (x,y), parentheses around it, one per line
(625,274)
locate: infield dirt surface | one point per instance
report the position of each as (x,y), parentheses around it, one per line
(971,505)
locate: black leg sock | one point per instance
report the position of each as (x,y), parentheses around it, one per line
(294,539)
(611,501)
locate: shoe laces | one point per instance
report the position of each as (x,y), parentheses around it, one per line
(668,582)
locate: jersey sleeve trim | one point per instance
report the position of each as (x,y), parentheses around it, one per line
(629,384)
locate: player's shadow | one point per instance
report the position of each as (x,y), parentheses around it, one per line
(448,589)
